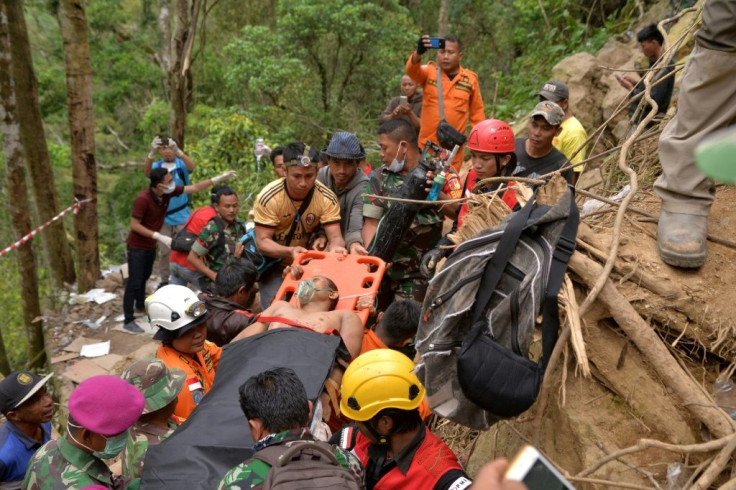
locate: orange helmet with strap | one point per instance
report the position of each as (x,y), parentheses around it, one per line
(492,136)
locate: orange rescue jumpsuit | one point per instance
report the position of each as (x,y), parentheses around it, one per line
(201,365)
(461,96)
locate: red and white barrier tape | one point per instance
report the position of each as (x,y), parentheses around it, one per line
(74,208)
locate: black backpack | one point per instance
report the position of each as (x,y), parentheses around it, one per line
(301,465)
(480,312)
(183,239)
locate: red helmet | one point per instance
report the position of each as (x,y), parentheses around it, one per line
(492,136)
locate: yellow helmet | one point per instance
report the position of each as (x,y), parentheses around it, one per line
(379,379)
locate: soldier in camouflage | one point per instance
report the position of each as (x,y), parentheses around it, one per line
(400,154)
(101,410)
(160,387)
(220,237)
(279,389)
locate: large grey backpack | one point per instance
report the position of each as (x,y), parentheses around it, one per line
(480,311)
(301,465)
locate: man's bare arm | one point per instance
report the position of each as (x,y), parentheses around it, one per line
(351,331)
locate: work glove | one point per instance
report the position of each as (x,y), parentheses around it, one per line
(429,261)
(154,147)
(163,239)
(175,147)
(421,48)
(225,176)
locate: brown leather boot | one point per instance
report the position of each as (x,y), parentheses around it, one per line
(681,239)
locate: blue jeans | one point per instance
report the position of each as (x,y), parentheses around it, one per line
(140,265)
(184,276)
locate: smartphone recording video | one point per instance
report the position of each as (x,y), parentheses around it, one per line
(530,467)
(437,43)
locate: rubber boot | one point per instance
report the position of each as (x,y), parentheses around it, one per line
(681,239)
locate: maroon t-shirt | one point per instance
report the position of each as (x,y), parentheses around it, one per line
(150,210)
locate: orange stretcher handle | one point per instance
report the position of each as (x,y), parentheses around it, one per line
(354,275)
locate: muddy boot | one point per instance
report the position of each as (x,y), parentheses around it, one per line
(681,239)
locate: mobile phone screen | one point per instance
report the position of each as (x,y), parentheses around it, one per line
(540,477)
(437,43)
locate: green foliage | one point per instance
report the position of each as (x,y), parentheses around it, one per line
(154,120)
(11,324)
(227,142)
(325,66)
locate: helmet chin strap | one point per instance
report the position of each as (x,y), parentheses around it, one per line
(382,440)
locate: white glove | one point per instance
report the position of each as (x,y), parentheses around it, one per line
(227,175)
(175,147)
(154,146)
(163,239)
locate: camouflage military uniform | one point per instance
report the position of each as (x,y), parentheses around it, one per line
(160,387)
(59,465)
(423,235)
(252,473)
(206,244)
(140,436)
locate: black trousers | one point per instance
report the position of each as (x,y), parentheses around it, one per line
(140,265)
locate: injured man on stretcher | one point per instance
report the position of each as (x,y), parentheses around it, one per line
(317,298)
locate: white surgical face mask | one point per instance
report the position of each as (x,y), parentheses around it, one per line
(170,187)
(397,165)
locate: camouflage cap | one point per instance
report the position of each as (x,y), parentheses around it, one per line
(550,111)
(159,384)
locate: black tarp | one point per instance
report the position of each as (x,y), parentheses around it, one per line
(215,437)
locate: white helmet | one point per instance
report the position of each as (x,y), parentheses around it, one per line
(174,310)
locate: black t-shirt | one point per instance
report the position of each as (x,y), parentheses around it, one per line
(528,166)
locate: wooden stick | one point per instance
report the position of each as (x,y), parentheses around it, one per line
(651,346)
(729,485)
(576,326)
(607,483)
(643,444)
(716,467)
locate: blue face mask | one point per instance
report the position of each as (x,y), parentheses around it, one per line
(113,444)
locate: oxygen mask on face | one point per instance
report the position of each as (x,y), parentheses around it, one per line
(306,289)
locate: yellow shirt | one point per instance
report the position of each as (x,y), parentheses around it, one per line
(571,138)
(274,209)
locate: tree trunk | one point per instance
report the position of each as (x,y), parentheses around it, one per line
(442,19)
(32,137)
(73,22)
(175,60)
(18,200)
(178,72)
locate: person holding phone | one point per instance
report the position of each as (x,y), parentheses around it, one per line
(406,106)
(461,95)
(180,166)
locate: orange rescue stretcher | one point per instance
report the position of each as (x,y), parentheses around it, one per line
(354,275)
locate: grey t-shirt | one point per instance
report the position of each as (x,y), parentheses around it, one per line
(528,166)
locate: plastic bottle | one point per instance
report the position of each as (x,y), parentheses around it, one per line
(724,393)
(439,183)
(260,145)
(259,151)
